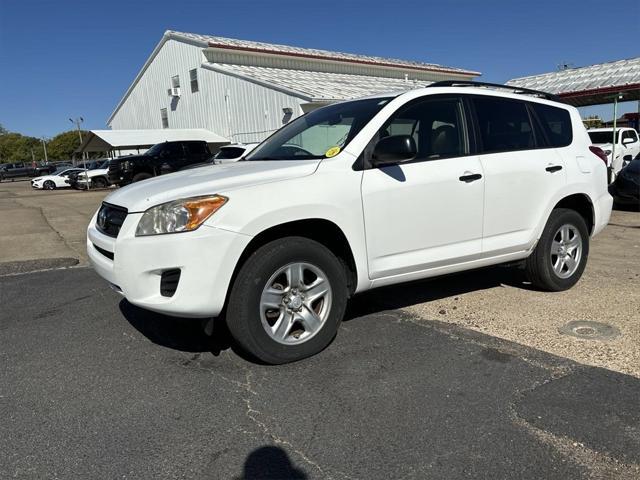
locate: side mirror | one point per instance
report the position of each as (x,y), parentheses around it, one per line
(394,149)
(627,140)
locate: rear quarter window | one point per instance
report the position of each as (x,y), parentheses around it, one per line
(504,125)
(556,123)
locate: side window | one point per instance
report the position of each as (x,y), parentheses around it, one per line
(193,80)
(556,123)
(172,150)
(504,124)
(630,134)
(195,148)
(164,117)
(435,124)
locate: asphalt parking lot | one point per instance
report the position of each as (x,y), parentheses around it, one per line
(463,377)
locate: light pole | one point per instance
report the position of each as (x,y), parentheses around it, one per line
(77,122)
(44,145)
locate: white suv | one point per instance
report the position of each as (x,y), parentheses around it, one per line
(353,196)
(627,146)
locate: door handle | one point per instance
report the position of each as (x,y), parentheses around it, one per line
(553,168)
(470,178)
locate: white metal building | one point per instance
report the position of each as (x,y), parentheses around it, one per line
(243,90)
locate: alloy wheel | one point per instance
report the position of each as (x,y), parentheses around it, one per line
(295,303)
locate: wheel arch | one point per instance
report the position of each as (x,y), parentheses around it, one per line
(581,203)
(321,230)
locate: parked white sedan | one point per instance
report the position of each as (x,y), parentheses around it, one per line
(58,179)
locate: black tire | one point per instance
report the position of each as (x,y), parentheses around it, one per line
(49,185)
(99,182)
(243,316)
(539,265)
(138,177)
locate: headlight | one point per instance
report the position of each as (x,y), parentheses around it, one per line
(182,215)
(607,152)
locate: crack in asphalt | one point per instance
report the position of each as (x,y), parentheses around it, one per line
(246,391)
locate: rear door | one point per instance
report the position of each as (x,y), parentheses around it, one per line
(521,172)
(426,213)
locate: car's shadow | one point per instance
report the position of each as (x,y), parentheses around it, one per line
(421,291)
(211,335)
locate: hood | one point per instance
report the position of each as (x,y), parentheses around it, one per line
(95,172)
(129,157)
(208,180)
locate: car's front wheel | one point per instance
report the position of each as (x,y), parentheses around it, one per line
(99,182)
(288,300)
(560,256)
(49,185)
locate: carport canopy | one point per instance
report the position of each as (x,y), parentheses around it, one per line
(592,85)
(110,140)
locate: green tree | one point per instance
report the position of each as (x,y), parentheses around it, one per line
(3,130)
(62,146)
(592,121)
(15,147)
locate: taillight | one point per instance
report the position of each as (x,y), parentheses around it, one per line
(600,154)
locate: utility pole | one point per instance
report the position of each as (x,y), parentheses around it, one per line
(44,145)
(77,122)
(613,142)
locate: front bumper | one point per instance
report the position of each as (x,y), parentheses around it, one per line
(206,258)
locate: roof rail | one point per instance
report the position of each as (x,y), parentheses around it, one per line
(526,91)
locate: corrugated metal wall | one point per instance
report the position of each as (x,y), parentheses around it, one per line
(237,109)
(226,105)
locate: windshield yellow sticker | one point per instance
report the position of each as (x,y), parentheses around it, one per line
(332,152)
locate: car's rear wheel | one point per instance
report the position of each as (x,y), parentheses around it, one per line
(99,182)
(287,301)
(138,177)
(49,185)
(560,256)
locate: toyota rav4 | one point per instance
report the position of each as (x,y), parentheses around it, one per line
(354,196)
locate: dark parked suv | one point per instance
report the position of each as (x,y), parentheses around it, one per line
(22,169)
(162,158)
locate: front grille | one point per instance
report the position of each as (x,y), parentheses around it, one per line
(110,219)
(114,174)
(169,282)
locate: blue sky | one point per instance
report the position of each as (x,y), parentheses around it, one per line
(69,58)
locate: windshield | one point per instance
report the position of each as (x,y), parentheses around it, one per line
(603,137)
(227,153)
(156,149)
(320,133)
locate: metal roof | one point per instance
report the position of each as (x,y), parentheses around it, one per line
(210,41)
(591,85)
(105,140)
(317,86)
(286,50)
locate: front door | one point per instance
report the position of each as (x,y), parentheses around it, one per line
(426,213)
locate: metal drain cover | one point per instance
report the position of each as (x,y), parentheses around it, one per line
(589,330)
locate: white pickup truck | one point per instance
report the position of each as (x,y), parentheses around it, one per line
(627,146)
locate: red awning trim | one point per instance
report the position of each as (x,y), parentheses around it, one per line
(345,60)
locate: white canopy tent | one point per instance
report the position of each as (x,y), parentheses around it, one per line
(123,142)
